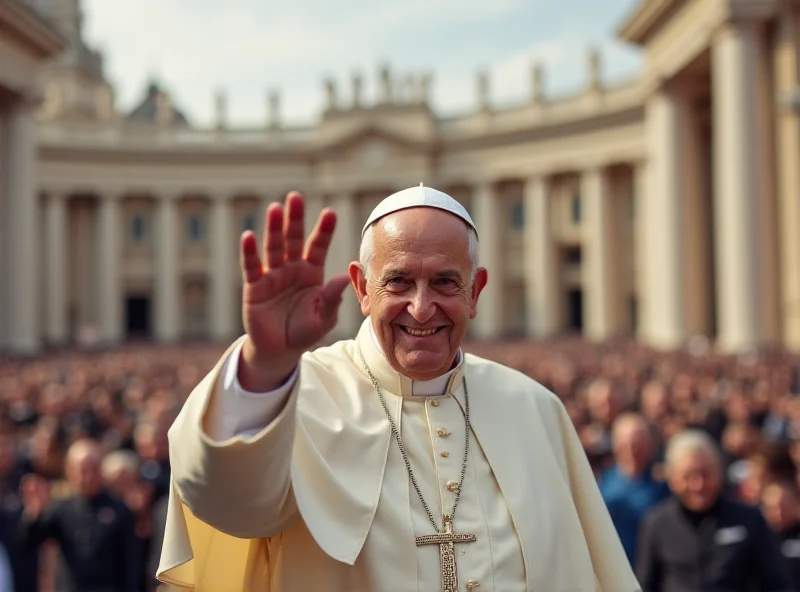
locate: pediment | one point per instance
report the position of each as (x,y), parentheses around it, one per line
(373,144)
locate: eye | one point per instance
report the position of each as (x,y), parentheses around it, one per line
(445,282)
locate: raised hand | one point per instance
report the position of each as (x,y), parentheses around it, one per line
(286,304)
(35,494)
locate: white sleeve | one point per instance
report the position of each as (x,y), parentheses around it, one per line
(239,412)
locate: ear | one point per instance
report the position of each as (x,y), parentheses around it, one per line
(359,282)
(481,277)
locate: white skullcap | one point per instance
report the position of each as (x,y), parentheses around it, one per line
(418,197)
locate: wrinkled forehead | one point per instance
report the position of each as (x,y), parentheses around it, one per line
(698,459)
(421,232)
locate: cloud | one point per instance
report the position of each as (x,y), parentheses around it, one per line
(246,47)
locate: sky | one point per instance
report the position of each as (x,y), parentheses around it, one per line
(245,48)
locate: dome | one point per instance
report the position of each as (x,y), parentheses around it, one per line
(145,112)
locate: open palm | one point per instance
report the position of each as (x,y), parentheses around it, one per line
(286,304)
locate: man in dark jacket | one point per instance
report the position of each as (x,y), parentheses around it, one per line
(95,531)
(780,503)
(702,541)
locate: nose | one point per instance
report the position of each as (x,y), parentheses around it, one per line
(422,306)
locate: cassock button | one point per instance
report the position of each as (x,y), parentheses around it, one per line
(443,433)
(434,403)
(452,485)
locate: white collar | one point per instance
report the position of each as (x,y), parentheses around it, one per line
(425,388)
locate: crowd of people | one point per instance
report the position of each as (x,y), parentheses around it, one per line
(84,461)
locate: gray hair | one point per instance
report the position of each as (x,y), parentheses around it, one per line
(367,250)
(119,460)
(691,441)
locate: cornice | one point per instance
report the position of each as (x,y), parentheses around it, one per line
(30,29)
(645,18)
(649,15)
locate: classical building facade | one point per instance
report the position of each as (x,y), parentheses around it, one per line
(27,43)
(665,207)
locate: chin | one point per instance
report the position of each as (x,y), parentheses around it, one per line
(422,362)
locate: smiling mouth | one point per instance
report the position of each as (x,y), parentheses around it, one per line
(420,332)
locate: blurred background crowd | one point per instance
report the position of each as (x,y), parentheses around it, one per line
(84,462)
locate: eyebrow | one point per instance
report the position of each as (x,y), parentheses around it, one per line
(396,272)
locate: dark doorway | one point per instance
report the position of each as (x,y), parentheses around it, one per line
(137,316)
(575,310)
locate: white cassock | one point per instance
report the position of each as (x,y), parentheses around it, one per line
(320,498)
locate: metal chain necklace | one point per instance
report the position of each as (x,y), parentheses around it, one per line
(447,517)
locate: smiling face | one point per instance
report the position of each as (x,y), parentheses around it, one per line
(696,479)
(420,295)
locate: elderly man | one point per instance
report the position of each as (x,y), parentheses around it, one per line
(94,531)
(701,540)
(389,462)
(633,485)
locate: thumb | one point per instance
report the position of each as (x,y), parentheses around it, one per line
(332,294)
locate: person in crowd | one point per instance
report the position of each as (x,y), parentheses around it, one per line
(634,484)
(605,403)
(94,531)
(701,539)
(770,461)
(780,502)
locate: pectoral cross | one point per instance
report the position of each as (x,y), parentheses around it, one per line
(447,555)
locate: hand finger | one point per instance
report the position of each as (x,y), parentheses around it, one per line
(320,239)
(273,236)
(293,227)
(332,294)
(252,268)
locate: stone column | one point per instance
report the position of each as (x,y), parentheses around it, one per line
(736,185)
(599,270)
(223,244)
(541,277)
(314,206)
(55,239)
(663,322)
(167,318)
(489,215)
(22,209)
(640,180)
(343,250)
(108,268)
(786,67)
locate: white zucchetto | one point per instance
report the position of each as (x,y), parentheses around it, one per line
(416,197)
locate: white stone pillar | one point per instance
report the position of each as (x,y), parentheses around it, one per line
(55,239)
(663,322)
(167,318)
(599,269)
(640,181)
(489,215)
(314,206)
(22,209)
(109,268)
(541,274)
(343,250)
(786,65)
(736,186)
(223,245)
